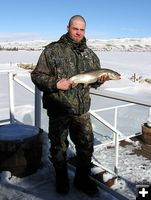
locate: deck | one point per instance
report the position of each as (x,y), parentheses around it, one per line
(134,166)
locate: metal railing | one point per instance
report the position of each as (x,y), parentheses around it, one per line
(108,94)
(117,96)
(11,79)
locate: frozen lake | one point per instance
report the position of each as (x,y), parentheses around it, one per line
(125,63)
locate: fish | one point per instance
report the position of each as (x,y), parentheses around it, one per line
(90,77)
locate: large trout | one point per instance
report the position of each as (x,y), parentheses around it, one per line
(87,78)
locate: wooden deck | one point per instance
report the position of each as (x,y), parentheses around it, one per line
(144,150)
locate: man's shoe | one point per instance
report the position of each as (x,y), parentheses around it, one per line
(62,181)
(62,187)
(86,184)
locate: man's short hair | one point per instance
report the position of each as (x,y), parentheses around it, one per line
(76,17)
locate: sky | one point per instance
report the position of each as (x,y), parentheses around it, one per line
(47,19)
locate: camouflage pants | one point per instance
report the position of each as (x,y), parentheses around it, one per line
(80,130)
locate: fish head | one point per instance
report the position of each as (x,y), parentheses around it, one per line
(111,74)
(114,76)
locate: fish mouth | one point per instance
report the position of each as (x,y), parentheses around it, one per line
(118,76)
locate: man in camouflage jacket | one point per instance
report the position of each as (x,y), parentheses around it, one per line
(68,107)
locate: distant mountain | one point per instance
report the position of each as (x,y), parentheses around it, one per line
(120,44)
(24,45)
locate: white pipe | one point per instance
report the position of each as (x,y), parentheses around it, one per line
(116,153)
(24,85)
(122,97)
(104,122)
(115,125)
(37,107)
(11,97)
(113,107)
(149,118)
(111,142)
(117,133)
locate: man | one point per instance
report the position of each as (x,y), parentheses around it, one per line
(68,107)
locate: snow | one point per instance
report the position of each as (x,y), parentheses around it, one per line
(40,185)
(119,44)
(132,169)
(17,132)
(22,56)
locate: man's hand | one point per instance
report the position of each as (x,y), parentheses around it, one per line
(103,78)
(64,84)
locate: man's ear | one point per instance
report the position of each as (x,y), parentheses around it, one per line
(67,28)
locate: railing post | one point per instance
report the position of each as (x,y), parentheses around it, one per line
(37,107)
(116,153)
(116,142)
(115,123)
(149,118)
(11,97)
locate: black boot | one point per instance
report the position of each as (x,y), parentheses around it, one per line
(84,182)
(62,182)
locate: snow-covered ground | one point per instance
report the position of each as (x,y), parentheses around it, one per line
(41,184)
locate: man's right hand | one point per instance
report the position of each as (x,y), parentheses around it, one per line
(64,84)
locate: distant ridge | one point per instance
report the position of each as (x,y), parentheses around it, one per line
(119,44)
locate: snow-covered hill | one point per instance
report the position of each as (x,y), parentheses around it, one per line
(24,45)
(125,44)
(120,44)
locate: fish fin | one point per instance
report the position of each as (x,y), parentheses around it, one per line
(74,85)
(85,85)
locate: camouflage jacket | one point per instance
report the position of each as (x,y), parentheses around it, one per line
(63,59)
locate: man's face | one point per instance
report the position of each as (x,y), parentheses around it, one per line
(76,30)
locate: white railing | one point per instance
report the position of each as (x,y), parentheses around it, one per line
(117,133)
(11,79)
(107,94)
